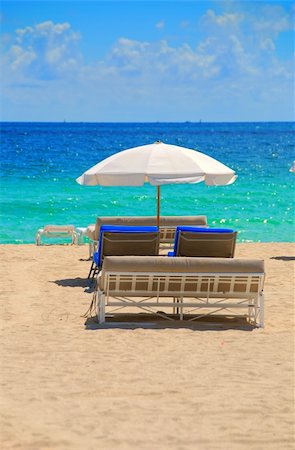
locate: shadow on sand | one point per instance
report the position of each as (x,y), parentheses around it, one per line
(75,282)
(147,321)
(284,258)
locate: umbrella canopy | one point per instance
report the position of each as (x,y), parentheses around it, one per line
(158,164)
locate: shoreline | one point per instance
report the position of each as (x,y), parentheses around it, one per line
(63,244)
(68,384)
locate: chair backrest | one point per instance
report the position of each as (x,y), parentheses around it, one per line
(138,221)
(59,229)
(205,242)
(185,276)
(127,240)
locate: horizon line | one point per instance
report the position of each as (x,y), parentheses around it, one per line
(146,122)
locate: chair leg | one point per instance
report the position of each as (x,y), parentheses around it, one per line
(100,307)
(92,269)
(96,271)
(261,310)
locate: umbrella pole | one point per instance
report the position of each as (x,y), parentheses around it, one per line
(158,206)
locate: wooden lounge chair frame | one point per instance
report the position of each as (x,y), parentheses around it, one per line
(115,241)
(200,294)
(167,235)
(204,242)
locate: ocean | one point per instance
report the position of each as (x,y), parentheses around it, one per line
(40,162)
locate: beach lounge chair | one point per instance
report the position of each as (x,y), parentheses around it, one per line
(204,242)
(54,231)
(124,240)
(167,228)
(196,286)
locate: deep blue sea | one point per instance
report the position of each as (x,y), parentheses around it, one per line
(40,162)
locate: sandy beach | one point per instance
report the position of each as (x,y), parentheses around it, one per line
(67,383)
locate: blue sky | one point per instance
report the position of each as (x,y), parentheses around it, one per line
(147,61)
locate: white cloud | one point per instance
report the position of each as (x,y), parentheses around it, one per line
(223,20)
(245,41)
(159,61)
(44,51)
(267,44)
(160,25)
(273,19)
(21,58)
(49,27)
(22,32)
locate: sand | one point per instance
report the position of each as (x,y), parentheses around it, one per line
(70,385)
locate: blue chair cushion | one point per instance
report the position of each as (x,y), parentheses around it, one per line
(195,230)
(97,256)
(203,230)
(127,229)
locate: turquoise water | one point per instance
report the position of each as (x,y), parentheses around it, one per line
(40,162)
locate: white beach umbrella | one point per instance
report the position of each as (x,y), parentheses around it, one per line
(157,164)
